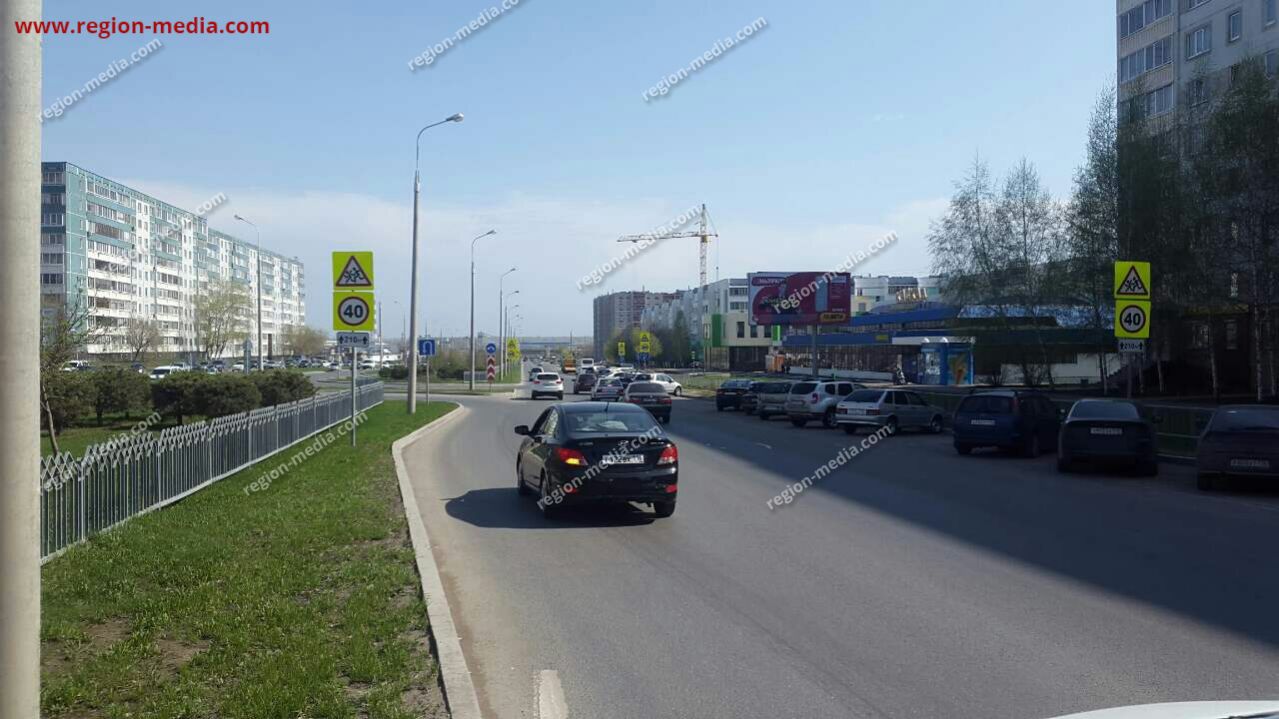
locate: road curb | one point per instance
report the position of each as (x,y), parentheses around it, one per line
(459,691)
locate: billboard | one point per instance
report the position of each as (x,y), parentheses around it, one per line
(800,298)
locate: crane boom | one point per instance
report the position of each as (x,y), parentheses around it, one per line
(703,233)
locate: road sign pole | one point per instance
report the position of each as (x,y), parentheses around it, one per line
(19,337)
(355,356)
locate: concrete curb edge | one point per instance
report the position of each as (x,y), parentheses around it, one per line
(459,691)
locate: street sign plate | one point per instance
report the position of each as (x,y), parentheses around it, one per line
(512,349)
(491,348)
(1132,280)
(621,350)
(353,311)
(1132,346)
(353,271)
(1132,319)
(426,347)
(359,340)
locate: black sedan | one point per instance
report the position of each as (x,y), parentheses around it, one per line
(597,453)
(729,394)
(652,397)
(584,382)
(750,399)
(1240,441)
(1107,431)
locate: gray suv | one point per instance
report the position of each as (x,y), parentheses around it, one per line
(810,401)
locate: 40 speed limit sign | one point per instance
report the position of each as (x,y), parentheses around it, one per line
(1132,319)
(353,311)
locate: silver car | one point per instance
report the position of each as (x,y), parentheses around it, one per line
(810,401)
(891,409)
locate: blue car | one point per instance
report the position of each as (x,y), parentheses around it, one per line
(1023,421)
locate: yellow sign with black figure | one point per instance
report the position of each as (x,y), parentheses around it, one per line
(1132,280)
(1132,319)
(353,311)
(353,271)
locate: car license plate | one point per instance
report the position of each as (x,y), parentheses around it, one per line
(1106,431)
(982,422)
(1250,463)
(629,459)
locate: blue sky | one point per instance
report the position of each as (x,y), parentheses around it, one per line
(834,124)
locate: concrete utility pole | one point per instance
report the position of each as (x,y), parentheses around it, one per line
(471,386)
(19,366)
(417,192)
(258,265)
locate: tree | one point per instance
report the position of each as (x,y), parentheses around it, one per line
(141,335)
(224,394)
(116,389)
(304,341)
(174,395)
(63,335)
(221,316)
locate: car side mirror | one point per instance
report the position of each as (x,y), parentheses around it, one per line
(521,429)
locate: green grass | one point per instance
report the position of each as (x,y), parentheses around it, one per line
(300,600)
(77,439)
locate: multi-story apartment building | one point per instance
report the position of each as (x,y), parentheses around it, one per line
(125,254)
(870,292)
(1176,54)
(617,311)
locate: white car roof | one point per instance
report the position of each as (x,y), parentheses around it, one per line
(1185,710)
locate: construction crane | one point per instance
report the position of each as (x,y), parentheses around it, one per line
(704,234)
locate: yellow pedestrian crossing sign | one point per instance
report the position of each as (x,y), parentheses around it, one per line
(1132,280)
(621,350)
(512,349)
(353,270)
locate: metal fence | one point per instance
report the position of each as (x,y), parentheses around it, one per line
(120,479)
(1177,431)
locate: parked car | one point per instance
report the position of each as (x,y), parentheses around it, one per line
(729,394)
(138,367)
(1106,431)
(890,409)
(652,397)
(1022,420)
(585,382)
(749,401)
(76,366)
(547,383)
(164,371)
(607,389)
(810,401)
(597,453)
(1240,441)
(771,399)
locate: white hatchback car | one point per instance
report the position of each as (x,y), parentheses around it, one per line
(546,383)
(666,381)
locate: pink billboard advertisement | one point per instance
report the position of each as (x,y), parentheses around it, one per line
(800,298)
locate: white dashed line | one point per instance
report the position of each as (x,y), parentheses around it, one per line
(550,696)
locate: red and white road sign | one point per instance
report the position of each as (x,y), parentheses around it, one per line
(492,369)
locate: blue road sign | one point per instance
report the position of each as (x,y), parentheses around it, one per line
(491,348)
(426,348)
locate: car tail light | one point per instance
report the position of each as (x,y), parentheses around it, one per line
(670,455)
(536,382)
(872,411)
(569,488)
(672,488)
(665,400)
(570,457)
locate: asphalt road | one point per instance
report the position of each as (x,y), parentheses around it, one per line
(910,583)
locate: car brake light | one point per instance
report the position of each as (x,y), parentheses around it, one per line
(672,488)
(570,456)
(670,455)
(665,400)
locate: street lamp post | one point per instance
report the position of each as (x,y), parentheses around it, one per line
(477,239)
(501,334)
(258,264)
(417,191)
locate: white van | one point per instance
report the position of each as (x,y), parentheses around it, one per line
(585,363)
(164,371)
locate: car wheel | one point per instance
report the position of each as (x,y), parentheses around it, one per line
(1032,447)
(664,509)
(828,418)
(550,510)
(891,426)
(763,416)
(1148,468)
(678,391)
(520,486)
(719,407)
(1208,482)
(850,429)
(964,449)
(798,422)
(665,419)
(935,426)
(1064,465)
(560,396)
(748,411)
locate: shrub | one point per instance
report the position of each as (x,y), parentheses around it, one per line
(281,386)
(174,395)
(70,397)
(223,394)
(396,372)
(116,389)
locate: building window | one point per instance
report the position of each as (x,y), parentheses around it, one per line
(1154,55)
(1272,63)
(1142,15)
(52,219)
(53,178)
(50,279)
(1192,4)
(1270,11)
(1232,334)
(1234,26)
(1199,41)
(741,329)
(1198,91)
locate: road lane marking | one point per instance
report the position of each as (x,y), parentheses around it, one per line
(550,696)
(766,446)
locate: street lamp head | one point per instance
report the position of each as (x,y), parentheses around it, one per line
(490,232)
(454,118)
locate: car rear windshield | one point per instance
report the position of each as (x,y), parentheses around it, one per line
(987,404)
(1246,420)
(548,376)
(1104,410)
(601,422)
(642,387)
(803,387)
(865,395)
